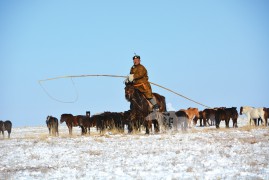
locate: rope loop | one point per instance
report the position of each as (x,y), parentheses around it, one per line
(105,75)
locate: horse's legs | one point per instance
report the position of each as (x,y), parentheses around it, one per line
(82,130)
(70,129)
(156,126)
(189,123)
(148,124)
(217,122)
(147,130)
(227,122)
(205,122)
(235,123)
(255,122)
(210,124)
(250,121)
(130,127)
(263,121)
(201,122)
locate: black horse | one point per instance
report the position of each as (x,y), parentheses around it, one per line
(140,108)
(52,124)
(6,126)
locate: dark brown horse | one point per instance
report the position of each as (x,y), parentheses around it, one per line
(140,107)
(226,114)
(71,121)
(85,122)
(220,115)
(200,118)
(209,114)
(6,126)
(52,124)
(108,121)
(232,114)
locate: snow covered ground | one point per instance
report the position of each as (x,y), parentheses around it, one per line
(199,153)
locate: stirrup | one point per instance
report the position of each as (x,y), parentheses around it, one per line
(156,108)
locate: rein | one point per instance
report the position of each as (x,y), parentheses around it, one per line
(104,75)
(134,99)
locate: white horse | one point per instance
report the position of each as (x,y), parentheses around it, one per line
(169,121)
(253,113)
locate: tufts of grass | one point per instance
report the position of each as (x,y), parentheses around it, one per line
(95,153)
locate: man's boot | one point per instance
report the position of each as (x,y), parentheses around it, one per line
(155,105)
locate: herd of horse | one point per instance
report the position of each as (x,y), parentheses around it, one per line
(141,115)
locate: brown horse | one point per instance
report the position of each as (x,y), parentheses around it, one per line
(226,114)
(6,126)
(209,114)
(232,114)
(200,118)
(71,121)
(85,122)
(220,114)
(140,107)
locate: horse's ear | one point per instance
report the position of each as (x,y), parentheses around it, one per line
(128,83)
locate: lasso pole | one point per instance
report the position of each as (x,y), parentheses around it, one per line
(79,76)
(108,75)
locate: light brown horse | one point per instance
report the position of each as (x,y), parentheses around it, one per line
(192,113)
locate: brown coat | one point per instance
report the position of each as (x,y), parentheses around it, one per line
(141,80)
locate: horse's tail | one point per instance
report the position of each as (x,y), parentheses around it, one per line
(161,101)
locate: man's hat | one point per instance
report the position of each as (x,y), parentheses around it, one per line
(136,56)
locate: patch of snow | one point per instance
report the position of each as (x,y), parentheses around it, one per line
(199,153)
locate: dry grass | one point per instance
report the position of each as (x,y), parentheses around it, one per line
(249,128)
(246,128)
(99,140)
(190,169)
(95,153)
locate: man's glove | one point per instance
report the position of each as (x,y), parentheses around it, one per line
(131,77)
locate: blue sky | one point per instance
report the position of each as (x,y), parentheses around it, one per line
(215,52)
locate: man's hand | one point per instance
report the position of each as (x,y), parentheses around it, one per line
(131,77)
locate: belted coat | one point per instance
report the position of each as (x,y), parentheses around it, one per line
(141,80)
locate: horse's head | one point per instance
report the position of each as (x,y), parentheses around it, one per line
(129,91)
(47,120)
(241,110)
(63,118)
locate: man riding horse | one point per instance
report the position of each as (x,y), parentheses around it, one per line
(139,77)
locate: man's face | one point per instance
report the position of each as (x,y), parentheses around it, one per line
(136,61)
